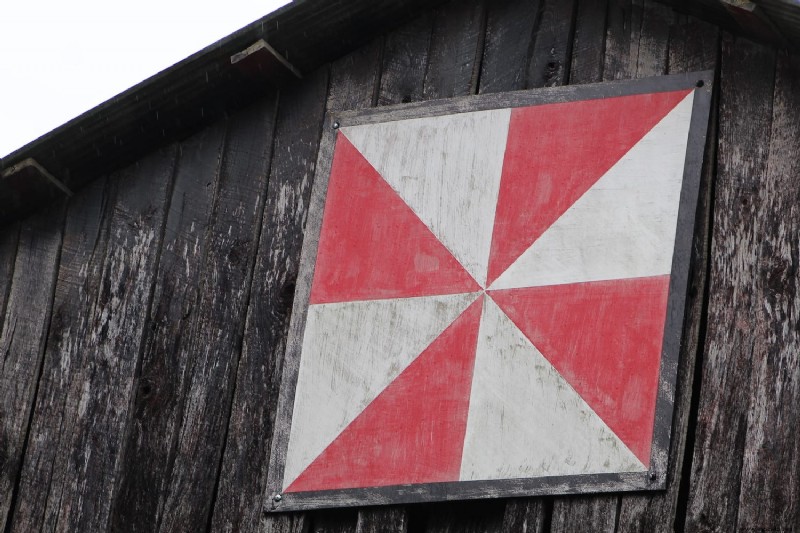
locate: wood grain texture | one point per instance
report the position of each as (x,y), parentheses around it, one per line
(769,496)
(354,78)
(746,84)
(214,345)
(102,393)
(456,50)
(382,520)
(632,27)
(22,344)
(588,44)
(362,85)
(636,39)
(402,78)
(161,384)
(9,236)
(405,60)
(99,394)
(745,458)
(77,286)
(526,515)
(510,32)
(510,29)
(285,523)
(693,46)
(242,480)
(552,47)
(589,514)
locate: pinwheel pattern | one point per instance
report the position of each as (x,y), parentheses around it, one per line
(490,294)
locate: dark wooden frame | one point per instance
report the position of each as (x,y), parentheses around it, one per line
(656,477)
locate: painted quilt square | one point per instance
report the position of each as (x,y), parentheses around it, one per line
(489,295)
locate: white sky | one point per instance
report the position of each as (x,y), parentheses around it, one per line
(59,58)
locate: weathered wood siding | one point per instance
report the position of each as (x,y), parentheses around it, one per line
(144,320)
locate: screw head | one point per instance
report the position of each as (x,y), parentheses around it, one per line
(653,476)
(277,497)
(336,125)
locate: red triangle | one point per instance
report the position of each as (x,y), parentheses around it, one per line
(413,431)
(555,153)
(605,338)
(372,245)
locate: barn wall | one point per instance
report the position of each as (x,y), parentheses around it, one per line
(144,321)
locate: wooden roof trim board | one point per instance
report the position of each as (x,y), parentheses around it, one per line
(24,180)
(204,87)
(269,53)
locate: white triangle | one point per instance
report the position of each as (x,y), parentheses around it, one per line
(525,420)
(447,169)
(622,227)
(351,352)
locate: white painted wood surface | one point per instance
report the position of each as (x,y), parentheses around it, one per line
(525,420)
(447,169)
(622,227)
(351,352)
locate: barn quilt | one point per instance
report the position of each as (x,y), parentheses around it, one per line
(489,296)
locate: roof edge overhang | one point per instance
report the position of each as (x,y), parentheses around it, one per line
(172,104)
(227,75)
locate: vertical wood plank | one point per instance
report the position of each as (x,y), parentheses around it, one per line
(552,49)
(354,81)
(652,40)
(405,60)
(636,39)
(634,28)
(22,343)
(77,287)
(160,387)
(456,50)
(693,46)
(525,515)
(592,514)
(98,395)
(285,523)
(621,17)
(769,498)
(746,90)
(402,76)
(511,38)
(354,78)
(382,520)
(242,480)
(588,46)
(510,29)
(358,76)
(102,393)
(213,349)
(9,236)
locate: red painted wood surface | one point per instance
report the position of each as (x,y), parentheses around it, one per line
(372,244)
(605,339)
(413,432)
(555,153)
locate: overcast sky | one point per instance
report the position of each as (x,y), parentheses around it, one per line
(59,58)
